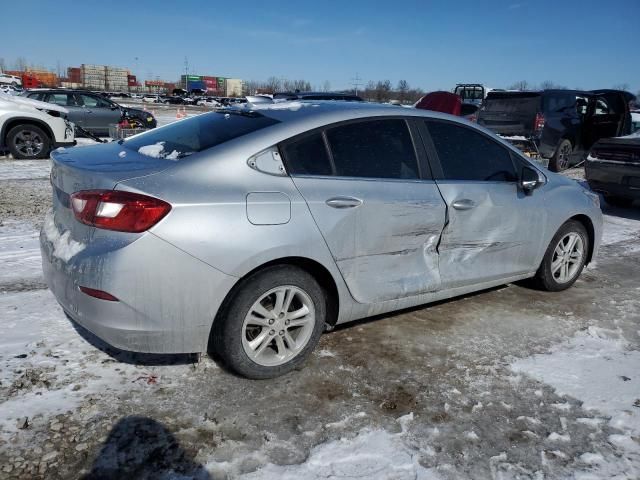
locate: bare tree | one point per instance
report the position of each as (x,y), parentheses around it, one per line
(383,91)
(621,86)
(520,85)
(3,66)
(403,88)
(21,64)
(326,86)
(273,85)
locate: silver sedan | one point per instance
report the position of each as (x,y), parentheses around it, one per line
(248,231)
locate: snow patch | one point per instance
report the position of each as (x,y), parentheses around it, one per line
(64,247)
(154,151)
(592,367)
(372,454)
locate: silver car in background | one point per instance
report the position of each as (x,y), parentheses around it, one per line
(248,231)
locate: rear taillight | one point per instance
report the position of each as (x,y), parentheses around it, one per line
(538,124)
(118,210)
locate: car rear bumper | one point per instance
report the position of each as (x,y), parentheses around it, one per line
(167,299)
(613,178)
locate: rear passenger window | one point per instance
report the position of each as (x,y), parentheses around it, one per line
(468,155)
(307,156)
(373,149)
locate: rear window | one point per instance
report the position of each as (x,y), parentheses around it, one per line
(373,149)
(199,133)
(559,102)
(514,102)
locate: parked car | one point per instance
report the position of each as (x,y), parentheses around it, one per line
(613,169)
(256,227)
(209,102)
(92,111)
(31,129)
(10,90)
(559,125)
(6,79)
(152,99)
(347,97)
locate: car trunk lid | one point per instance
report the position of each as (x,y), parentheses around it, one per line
(96,167)
(511,113)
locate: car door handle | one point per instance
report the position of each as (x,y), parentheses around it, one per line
(344,202)
(463,204)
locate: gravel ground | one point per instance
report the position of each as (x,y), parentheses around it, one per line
(438,392)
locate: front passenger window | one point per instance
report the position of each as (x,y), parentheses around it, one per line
(465,154)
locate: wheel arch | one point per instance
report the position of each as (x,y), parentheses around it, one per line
(588,225)
(314,268)
(16,121)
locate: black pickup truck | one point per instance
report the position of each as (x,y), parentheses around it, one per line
(559,125)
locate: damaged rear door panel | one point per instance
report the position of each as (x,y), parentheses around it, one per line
(493,228)
(379,217)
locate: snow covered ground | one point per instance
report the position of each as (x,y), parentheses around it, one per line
(510,383)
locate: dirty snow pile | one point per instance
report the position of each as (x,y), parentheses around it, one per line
(372,454)
(599,368)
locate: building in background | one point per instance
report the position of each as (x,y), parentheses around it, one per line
(117,79)
(217,86)
(233,87)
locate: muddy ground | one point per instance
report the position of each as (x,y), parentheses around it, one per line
(71,406)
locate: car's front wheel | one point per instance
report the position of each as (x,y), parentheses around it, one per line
(565,258)
(28,142)
(271,324)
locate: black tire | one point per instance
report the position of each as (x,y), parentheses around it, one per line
(544,278)
(20,150)
(561,159)
(227,332)
(616,201)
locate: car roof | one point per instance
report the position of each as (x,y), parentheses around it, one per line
(315,113)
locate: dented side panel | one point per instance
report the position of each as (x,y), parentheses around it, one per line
(385,248)
(500,235)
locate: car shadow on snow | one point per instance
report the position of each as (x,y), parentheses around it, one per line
(134,358)
(629,213)
(141,447)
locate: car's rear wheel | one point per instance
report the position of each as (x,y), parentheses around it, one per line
(564,259)
(562,157)
(616,201)
(28,142)
(271,324)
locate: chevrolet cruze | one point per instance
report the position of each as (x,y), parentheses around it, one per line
(248,231)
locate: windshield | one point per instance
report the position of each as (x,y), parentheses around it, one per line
(195,134)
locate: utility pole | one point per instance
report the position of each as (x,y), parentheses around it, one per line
(355,82)
(186,74)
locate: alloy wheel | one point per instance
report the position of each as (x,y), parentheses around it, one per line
(29,143)
(278,326)
(567,258)
(563,157)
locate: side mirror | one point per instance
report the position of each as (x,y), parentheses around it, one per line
(530,179)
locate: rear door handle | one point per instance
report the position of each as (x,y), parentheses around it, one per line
(463,204)
(344,202)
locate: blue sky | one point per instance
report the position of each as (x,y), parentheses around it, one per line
(431,44)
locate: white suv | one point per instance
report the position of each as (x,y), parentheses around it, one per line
(30,129)
(10,80)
